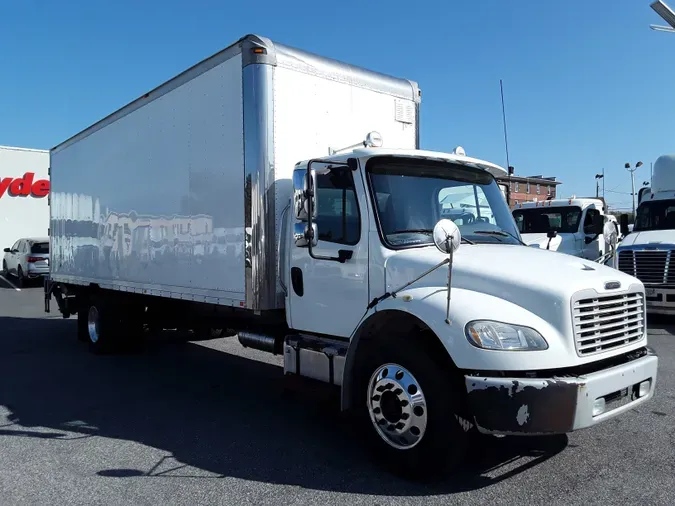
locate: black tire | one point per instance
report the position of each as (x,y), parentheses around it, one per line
(104,337)
(4,268)
(20,279)
(442,445)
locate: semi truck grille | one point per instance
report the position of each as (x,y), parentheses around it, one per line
(650,267)
(607,322)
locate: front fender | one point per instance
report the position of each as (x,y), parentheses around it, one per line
(428,305)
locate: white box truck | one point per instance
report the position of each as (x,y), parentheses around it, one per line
(223,200)
(646,251)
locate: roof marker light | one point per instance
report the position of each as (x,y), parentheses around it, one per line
(459,151)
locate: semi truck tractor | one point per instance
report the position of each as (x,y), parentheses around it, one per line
(576,226)
(283,197)
(647,250)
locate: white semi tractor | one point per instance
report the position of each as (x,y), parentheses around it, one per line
(346,266)
(646,251)
(580,227)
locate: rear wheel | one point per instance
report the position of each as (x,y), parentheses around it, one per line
(4,268)
(406,403)
(107,327)
(20,278)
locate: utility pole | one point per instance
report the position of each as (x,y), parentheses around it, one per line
(506,141)
(598,177)
(632,182)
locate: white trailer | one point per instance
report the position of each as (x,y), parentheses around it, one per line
(254,220)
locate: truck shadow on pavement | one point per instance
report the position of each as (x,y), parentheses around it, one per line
(212,413)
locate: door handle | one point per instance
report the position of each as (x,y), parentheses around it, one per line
(297,281)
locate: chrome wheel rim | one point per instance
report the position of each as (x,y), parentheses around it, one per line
(92,324)
(397,406)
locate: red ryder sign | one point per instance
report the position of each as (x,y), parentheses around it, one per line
(24,186)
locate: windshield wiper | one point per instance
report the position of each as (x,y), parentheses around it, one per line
(413,231)
(423,231)
(499,232)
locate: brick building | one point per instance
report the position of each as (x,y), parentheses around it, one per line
(521,189)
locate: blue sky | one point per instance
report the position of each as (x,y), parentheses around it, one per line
(587,84)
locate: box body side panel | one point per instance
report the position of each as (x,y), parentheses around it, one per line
(153,202)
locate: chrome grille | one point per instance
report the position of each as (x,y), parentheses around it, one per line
(608,321)
(650,267)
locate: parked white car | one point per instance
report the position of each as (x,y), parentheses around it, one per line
(28,258)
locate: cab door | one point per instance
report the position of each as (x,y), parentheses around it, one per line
(592,242)
(325,295)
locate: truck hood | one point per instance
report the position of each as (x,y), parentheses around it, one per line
(655,238)
(562,242)
(540,281)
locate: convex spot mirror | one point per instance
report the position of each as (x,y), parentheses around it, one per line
(551,234)
(447,236)
(302,234)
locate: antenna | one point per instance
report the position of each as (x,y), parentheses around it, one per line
(506,141)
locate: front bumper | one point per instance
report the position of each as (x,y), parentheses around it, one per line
(660,300)
(558,405)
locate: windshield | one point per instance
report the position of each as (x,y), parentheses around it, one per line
(655,215)
(411,196)
(540,220)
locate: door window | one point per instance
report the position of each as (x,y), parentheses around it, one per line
(588,221)
(338,218)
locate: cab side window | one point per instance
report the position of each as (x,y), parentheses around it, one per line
(338,217)
(15,247)
(588,221)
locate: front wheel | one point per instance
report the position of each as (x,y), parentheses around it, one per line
(406,404)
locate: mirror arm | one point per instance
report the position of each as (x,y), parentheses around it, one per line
(309,195)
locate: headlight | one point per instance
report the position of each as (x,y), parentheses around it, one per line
(492,335)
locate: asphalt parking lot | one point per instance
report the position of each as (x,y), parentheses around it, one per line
(198,423)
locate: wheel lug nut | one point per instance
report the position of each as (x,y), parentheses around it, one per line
(400,425)
(398,391)
(376,398)
(405,416)
(377,411)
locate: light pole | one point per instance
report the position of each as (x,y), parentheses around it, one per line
(598,177)
(666,13)
(632,182)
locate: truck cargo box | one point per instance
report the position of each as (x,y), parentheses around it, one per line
(180,193)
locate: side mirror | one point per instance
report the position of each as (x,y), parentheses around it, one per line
(302,235)
(447,236)
(552,234)
(7,250)
(623,224)
(300,194)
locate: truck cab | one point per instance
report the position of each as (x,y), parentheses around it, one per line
(646,250)
(434,319)
(575,226)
